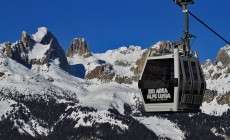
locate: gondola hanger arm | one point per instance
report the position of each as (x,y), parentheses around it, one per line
(203,23)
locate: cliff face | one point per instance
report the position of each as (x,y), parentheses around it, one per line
(78,46)
(42,48)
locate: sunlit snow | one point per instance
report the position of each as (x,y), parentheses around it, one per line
(213,108)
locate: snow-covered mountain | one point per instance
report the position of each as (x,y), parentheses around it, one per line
(95,96)
(114,65)
(41,48)
(217,73)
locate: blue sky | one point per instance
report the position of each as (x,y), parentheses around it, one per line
(109,24)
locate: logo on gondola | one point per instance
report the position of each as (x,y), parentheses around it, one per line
(159,94)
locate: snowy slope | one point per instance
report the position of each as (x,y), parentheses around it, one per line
(217,77)
(89,63)
(164,128)
(6,106)
(65,88)
(19,78)
(215,109)
(123,59)
(217,72)
(38,51)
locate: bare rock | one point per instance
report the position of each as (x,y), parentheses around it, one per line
(223,56)
(125,79)
(105,73)
(122,63)
(207,63)
(2,74)
(209,95)
(225,99)
(161,47)
(50,79)
(140,63)
(27,41)
(78,46)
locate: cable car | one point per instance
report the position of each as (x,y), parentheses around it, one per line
(173,82)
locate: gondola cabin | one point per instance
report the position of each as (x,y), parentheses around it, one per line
(172,83)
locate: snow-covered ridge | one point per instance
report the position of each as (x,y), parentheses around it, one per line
(217,73)
(122,59)
(39,51)
(41,48)
(219,80)
(63,95)
(39,35)
(131,54)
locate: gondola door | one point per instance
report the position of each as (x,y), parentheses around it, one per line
(157,84)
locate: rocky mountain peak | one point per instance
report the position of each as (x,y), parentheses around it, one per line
(78,46)
(224,56)
(217,72)
(27,41)
(207,63)
(162,47)
(41,48)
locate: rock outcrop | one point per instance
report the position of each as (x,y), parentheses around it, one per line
(78,46)
(224,56)
(209,95)
(104,73)
(27,41)
(140,63)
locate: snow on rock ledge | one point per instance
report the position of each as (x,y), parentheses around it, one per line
(42,31)
(213,108)
(163,128)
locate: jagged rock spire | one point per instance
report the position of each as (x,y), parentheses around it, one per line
(41,48)
(78,46)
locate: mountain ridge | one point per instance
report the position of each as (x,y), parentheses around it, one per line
(49,102)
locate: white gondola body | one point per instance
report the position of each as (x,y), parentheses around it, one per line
(172,83)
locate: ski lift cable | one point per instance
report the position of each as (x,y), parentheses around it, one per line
(207,27)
